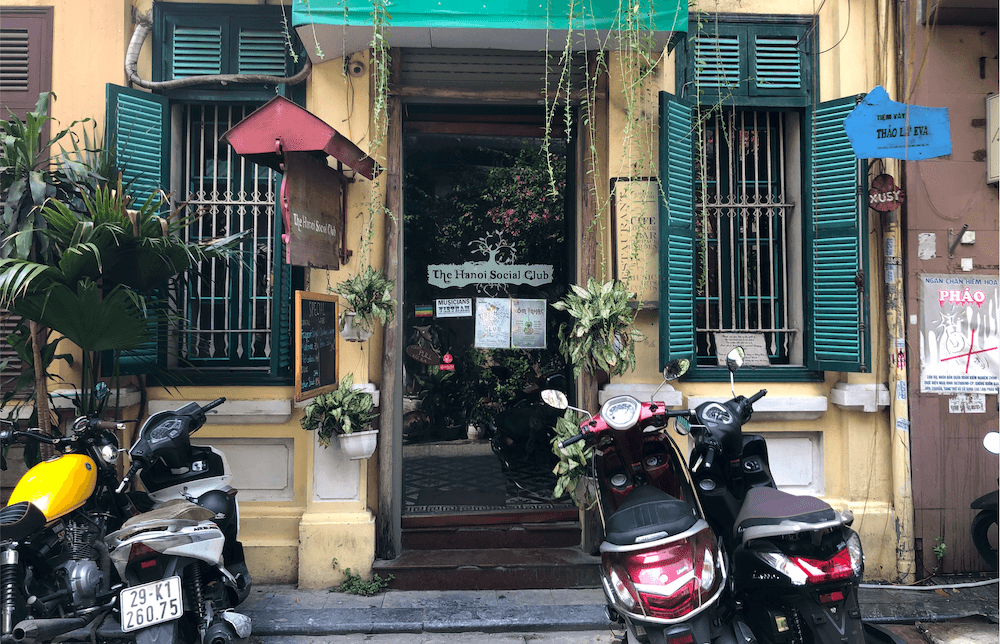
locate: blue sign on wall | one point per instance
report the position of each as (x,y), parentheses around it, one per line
(880,128)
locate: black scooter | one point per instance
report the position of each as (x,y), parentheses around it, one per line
(523,431)
(795,562)
(986,519)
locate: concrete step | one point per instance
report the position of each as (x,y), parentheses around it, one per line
(491,569)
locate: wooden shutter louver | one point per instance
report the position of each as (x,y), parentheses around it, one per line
(138,123)
(777,63)
(10,373)
(14,52)
(677,232)
(197,44)
(751,63)
(25,58)
(261,52)
(196,51)
(837,288)
(718,62)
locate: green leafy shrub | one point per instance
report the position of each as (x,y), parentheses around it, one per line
(600,336)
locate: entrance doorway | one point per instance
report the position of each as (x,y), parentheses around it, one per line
(485,251)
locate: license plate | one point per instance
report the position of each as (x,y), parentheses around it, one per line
(149,604)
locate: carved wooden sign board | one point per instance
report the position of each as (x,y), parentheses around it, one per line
(313,211)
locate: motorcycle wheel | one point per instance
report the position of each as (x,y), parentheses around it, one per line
(984,536)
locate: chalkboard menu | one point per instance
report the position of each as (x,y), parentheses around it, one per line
(315,344)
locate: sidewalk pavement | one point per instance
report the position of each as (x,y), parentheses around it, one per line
(285,612)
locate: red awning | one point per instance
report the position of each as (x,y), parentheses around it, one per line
(281,126)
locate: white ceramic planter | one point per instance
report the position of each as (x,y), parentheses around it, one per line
(352,332)
(358,445)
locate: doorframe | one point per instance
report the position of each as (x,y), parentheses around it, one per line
(388,519)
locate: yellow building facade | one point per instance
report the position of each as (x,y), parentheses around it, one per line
(308,512)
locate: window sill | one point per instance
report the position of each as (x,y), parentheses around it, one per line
(777,407)
(235,412)
(866,397)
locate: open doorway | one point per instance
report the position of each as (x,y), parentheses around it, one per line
(485,251)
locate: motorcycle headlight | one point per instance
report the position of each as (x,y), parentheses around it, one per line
(108,448)
(109,453)
(857,555)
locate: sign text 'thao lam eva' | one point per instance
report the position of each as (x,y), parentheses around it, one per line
(880,128)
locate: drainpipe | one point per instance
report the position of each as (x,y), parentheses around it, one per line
(899,413)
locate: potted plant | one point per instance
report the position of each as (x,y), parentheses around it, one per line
(572,476)
(600,336)
(347,413)
(368,294)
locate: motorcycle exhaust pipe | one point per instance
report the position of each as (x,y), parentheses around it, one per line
(31,631)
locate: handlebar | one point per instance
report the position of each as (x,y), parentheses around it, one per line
(572,439)
(757,396)
(212,405)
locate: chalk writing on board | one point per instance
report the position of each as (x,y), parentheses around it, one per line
(316,344)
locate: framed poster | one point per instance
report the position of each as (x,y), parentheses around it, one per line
(527,324)
(492,323)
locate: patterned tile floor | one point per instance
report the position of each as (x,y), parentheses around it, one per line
(468,477)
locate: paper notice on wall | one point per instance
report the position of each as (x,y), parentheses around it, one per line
(492,323)
(967,404)
(527,324)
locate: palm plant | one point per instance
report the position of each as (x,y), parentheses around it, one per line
(27,179)
(91,274)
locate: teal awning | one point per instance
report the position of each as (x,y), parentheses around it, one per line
(345,26)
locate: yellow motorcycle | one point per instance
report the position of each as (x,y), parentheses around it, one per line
(55,569)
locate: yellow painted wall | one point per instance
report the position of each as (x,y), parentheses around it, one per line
(856,42)
(296,540)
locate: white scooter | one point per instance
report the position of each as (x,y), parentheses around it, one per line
(182,561)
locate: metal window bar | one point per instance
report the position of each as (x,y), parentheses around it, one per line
(227,305)
(744,212)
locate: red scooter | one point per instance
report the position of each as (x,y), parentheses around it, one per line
(662,565)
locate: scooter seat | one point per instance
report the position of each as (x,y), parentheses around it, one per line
(646,512)
(768,511)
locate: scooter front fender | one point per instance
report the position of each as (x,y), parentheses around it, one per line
(708,627)
(988,500)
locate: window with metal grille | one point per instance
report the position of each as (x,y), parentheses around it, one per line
(226,314)
(761,226)
(229,321)
(745,206)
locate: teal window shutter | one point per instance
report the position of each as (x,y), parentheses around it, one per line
(748,63)
(836,283)
(677,233)
(138,126)
(197,41)
(138,129)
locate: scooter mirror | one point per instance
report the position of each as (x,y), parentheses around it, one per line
(992,442)
(682,425)
(734,359)
(675,369)
(555,398)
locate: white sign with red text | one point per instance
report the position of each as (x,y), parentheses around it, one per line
(960,334)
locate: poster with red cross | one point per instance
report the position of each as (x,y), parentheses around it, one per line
(959,334)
